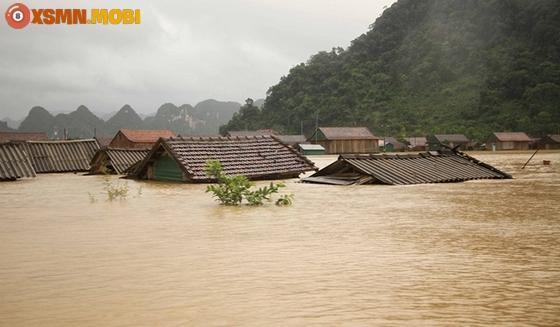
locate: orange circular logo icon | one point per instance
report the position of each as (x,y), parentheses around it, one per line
(18,15)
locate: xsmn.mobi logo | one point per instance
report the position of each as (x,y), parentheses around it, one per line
(19,15)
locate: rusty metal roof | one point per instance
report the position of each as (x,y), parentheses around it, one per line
(61,156)
(347,133)
(512,137)
(256,157)
(119,159)
(144,135)
(428,167)
(14,162)
(22,136)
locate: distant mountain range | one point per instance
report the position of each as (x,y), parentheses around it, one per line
(204,118)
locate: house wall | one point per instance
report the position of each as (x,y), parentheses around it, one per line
(350,146)
(166,168)
(510,145)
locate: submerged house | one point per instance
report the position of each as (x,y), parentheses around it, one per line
(14,162)
(417,143)
(256,157)
(61,156)
(310,149)
(508,141)
(138,139)
(403,169)
(116,161)
(22,136)
(549,142)
(458,141)
(340,140)
(391,144)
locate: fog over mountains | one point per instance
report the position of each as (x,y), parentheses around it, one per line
(202,119)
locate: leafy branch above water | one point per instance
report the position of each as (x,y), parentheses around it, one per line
(231,190)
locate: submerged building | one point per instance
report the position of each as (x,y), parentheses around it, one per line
(508,141)
(116,161)
(138,139)
(403,169)
(341,140)
(61,156)
(14,162)
(256,157)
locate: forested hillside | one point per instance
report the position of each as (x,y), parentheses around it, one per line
(467,66)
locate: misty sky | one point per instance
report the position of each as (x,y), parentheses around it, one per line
(183,52)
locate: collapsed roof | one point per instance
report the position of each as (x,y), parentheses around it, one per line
(403,169)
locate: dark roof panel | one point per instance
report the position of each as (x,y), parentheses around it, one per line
(61,156)
(120,159)
(429,167)
(14,162)
(252,156)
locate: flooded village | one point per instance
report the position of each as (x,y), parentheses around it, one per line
(480,252)
(280,163)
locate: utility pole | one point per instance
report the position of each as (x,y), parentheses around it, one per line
(316,124)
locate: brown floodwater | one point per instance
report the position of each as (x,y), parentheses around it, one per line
(474,253)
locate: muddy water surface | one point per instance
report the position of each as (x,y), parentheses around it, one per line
(475,253)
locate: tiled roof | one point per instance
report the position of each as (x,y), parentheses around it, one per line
(257,157)
(429,167)
(22,136)
(146,136)
(454,138)
(347,133)
(61,156)
(119,159)
(14,162)
(512,137)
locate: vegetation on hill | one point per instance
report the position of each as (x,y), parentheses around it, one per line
(446,66)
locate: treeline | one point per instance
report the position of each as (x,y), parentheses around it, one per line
(431,66)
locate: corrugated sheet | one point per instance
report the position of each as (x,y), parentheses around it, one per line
(429,167)
(119,159)
(14,162)
(61,156)
(252,156)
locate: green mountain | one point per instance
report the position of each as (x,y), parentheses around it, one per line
(126,117)
(465,66)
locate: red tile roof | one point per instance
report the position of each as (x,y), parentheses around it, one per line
(22,136)
(347,133)
(512,137)
(257,157)
(146,136)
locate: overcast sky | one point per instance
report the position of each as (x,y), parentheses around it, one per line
(183,52)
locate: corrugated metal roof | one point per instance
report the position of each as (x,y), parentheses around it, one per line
(347,133)
(145,136)
(512,137)
(22,136)
(14,162)
(429,167)
(61,156)
(119,159)
(255,157)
